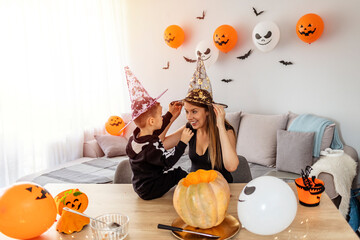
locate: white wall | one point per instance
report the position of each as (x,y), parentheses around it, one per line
(324,79)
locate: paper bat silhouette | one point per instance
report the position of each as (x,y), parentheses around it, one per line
(285,63)
(256,12)
(203,16)
(168,65)
(189,59)
(227,80)
(246,55)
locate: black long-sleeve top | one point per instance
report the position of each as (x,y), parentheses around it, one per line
(149,159)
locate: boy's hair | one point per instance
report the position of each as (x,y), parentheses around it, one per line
(140,121)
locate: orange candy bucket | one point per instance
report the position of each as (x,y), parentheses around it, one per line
(309,194)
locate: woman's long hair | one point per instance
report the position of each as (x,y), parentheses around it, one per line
(215,154)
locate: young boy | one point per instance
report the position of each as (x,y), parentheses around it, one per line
(149,160)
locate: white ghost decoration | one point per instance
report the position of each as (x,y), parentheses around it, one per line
(267,205)
(208,52)
(266,35)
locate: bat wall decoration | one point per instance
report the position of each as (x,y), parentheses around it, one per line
(246,55)
(285,62)
(202,17)
(227,80)
(167,66)
(189,60)
(256,12)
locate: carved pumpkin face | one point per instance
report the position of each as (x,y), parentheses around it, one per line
(309,27)
(225,38)
(73,199)
(114,125)
(174,36)
(26,211)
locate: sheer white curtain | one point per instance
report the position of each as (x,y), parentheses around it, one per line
(61,73)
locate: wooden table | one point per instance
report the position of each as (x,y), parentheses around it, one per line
(321,222)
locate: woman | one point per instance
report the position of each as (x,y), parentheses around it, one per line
(214,141)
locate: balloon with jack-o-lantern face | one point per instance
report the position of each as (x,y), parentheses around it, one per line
(309,27)
(114,125)
(174,36)
(26,211)
(266,35)
(225,38)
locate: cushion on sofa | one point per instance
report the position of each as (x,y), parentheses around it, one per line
(112,146)
(92,149)
(294,150)
(256,140)
(328,132)
(234,119)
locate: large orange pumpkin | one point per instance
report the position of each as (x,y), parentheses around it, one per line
(309,27)
(225,38)
(174,36)
(202,198)
(26,211)
(114,125)
(71,198)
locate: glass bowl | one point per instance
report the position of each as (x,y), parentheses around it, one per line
(101,231)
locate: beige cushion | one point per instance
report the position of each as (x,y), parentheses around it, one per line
(234,119)
(257,137)
(294,150)
(92,149)
(112,146)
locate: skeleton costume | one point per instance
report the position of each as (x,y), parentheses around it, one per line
(149,160)
(150,163)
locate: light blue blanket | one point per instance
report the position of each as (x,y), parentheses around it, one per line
(311,123)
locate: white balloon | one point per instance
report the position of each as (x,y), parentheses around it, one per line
(208,52)
(266,36)
(267,205)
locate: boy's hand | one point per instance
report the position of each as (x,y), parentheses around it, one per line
(175,109)
(186,135)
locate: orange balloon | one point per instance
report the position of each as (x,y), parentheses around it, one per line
(26,211)
(225,38)
(114,125)
(309,27)
(174,36)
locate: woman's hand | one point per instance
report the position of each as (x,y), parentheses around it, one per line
(220,115)
(186,135)
(175,109)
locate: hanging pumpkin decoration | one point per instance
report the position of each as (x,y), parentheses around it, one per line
(309,27)
(71,198)
(225,38)
(174,36)
(70,222)
(114,125)
(202,198)
(26,211)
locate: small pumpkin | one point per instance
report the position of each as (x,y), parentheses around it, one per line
(202,198)
(225,38)
(71,198)
(70,222)
(114,125)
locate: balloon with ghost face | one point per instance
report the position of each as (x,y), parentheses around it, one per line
(207,52)
(267,205)
(266,35)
